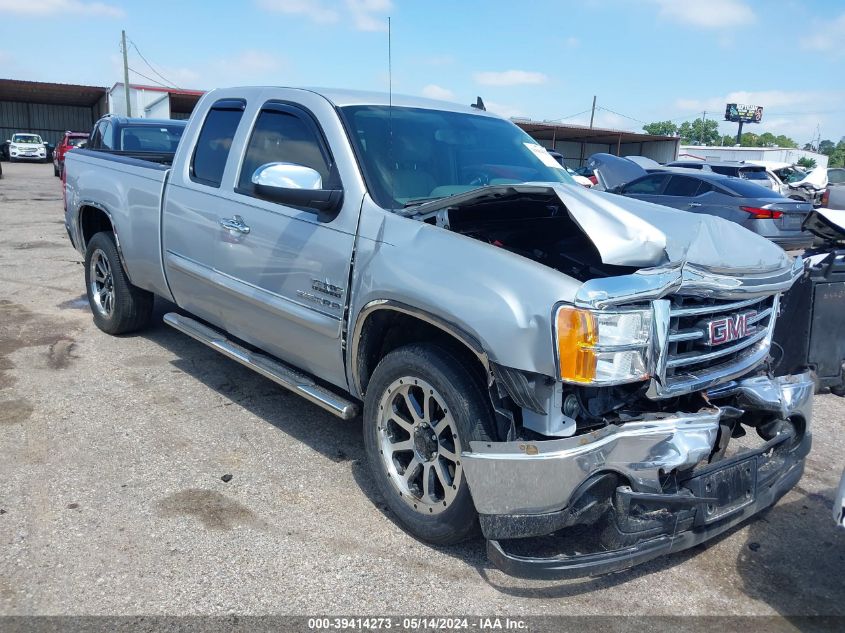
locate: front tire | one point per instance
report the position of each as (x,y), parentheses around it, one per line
(118,306)
(56,171)
(422,408)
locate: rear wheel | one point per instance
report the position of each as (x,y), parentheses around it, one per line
(118,306)
(423,407)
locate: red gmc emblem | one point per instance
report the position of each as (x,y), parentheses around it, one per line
(727,329)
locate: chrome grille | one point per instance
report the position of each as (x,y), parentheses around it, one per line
(690,358)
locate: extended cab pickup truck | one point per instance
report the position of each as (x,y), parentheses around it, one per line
(525,354)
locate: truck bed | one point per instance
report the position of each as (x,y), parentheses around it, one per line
(130,190)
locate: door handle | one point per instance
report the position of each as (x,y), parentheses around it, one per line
(694,204)
(235,223)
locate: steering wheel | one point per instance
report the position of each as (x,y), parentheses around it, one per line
(479,179)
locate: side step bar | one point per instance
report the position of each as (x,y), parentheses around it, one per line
(268,367)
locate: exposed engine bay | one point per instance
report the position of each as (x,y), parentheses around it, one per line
(541,230)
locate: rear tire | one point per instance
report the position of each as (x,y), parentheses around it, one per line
(423,406)
(118,306)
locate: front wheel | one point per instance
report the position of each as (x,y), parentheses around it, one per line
(422,408)
(118,306)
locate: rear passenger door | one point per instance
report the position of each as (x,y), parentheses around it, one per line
(681,193)
(192,210)
(647,188)
(697,196)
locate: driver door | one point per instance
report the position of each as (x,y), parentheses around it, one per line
(286,273)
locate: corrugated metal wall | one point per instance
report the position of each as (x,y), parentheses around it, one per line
(50,121)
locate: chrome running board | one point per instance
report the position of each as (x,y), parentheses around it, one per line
(268,367)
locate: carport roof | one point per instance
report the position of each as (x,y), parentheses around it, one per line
(51,93)
(547,131)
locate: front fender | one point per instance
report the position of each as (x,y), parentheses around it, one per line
(498,301)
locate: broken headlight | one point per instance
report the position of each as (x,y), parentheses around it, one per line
(602,347)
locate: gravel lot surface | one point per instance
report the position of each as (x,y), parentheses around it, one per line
(111,502)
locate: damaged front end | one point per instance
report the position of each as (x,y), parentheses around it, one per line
(638,445)
(650,455)
(641,486)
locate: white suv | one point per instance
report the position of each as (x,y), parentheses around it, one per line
(27,147)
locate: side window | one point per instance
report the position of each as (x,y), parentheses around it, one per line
(106,138)
(682,186)
(96,137)
(836,176)
(725,171)
(215,140)
(281,135)
(648,184)
(704,187)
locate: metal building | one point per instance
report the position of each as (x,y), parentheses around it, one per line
(48,109)
(153,102)
(576,143)
(762,154)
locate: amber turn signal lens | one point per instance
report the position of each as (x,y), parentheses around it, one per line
(577,335)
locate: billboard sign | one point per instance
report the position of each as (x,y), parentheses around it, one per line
(740,112)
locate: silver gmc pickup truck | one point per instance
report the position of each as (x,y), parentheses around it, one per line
(526,356)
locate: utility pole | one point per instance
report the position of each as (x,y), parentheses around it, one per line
(125,74)
(703,127)
(593,112)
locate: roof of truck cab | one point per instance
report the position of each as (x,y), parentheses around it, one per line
(122,120)
(342,98)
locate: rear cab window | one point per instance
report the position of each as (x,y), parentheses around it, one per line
(836,176)
(215,141)
(150,138)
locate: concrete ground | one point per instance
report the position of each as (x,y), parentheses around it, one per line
(111,498)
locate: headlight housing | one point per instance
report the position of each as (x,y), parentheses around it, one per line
(602,347)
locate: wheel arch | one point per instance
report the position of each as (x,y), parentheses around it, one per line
(93,218)
(384,325)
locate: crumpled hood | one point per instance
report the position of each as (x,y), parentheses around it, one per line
(828,224)
(629,232)
(817,178)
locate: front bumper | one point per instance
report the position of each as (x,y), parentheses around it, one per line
(29,156)
(614,480)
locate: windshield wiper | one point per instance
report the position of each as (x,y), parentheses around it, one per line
(414,202)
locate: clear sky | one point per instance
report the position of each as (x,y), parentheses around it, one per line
(646,60)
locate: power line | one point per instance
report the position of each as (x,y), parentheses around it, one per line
(150,79)
(624,116)
(563,118)
(172,84)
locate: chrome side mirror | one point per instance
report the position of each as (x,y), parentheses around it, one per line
(288,176)
(297,186)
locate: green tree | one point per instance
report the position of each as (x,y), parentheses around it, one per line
(661,128)
(826,147)
(728,140)
(781,140)
(837,156)
(699,132)
(766,139)
(809,163)
(749,139)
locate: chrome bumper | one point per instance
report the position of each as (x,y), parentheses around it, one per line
(537,477)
